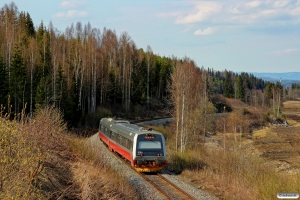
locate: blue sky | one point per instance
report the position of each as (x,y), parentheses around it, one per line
(237,35)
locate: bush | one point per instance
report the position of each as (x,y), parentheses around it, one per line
(20,163)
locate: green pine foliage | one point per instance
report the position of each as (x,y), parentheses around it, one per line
(3,82)
(17,83)
(240,91)
(228,86)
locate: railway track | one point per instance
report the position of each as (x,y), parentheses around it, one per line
(160,183)
(165,187)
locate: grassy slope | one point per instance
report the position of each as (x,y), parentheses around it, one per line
(244,170)
(41,160)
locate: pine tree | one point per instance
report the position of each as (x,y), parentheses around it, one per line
(40,94)
(3,82)
(240,91)
(228,86)
(29,25)
(18,81)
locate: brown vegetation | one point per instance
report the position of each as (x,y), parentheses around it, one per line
(256,163)
(39,159)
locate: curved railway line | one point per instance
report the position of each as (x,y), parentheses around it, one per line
(160,183)
(165,187)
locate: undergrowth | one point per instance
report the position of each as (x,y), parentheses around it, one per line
(230,174)
(93,172)
(40,159)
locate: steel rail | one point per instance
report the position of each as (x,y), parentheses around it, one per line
(175,186)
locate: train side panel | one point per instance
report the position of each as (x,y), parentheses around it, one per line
(112,145)
(104,138)
(120,150)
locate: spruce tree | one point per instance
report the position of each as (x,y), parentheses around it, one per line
(240,91)
(40,94)
(18,80)
(228,86)
(3,82)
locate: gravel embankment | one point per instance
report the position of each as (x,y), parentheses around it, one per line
(147,192)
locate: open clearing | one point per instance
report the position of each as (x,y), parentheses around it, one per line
(280,145)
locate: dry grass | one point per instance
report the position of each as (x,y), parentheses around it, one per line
(291,104)
(244,170)
(37,162)
(93,173)
(236,175)
(20,163)
(97,182)
(33,158)
(235,103)
(292,107)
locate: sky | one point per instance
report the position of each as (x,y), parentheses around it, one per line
(236,35)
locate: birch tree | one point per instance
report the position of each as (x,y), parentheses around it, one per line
(149,62)
(193,113)
(32,60)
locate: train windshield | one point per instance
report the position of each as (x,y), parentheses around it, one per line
(149,144)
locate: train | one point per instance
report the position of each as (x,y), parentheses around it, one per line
(144,148)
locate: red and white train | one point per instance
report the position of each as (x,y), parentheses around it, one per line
(145,149)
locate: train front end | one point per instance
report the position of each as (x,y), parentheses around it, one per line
(149,152)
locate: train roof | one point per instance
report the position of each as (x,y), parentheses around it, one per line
(126,129)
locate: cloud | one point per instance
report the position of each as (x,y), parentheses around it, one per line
(201,12)
(268,12)
(237,13)
(253,4)
(70,14)
(71,4)
(295,11)
(283,52)
(207,31)
(281,3)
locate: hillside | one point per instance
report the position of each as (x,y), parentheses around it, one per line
(254,163)
(40,159)
(286,78)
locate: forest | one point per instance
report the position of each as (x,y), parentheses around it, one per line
(84,70)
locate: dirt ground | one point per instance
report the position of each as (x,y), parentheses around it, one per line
(279,145)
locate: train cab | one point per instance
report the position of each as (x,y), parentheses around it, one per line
(149,152)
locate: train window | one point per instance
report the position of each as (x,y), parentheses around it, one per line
(113,136)
(121,141)
(149,144)
(126,143)
(130,144)
(116,137)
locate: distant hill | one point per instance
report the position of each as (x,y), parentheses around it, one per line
(287,78)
